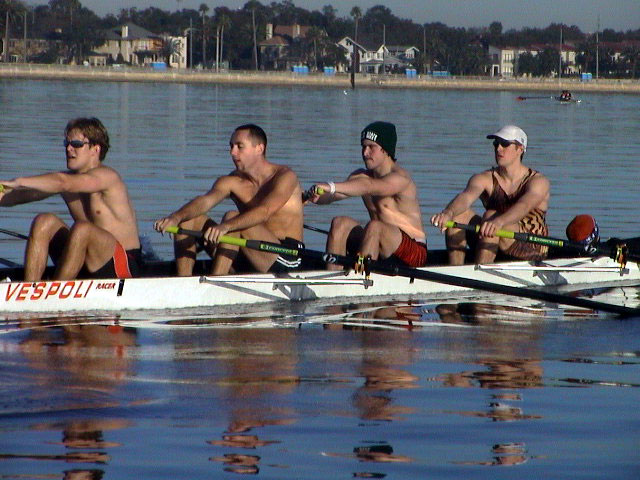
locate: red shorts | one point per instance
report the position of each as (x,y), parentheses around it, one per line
(124,264)
(410,252)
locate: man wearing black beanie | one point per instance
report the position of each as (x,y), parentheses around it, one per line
(390,195)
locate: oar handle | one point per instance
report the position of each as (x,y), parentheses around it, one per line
(523,237)
(476,229)
(240,242)
(306,195)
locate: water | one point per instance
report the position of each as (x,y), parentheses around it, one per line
(324,391)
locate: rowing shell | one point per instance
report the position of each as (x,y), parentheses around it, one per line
(198,292)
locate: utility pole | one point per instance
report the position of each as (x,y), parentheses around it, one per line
(5,44)
(598,49)
(560,62)
(190,42)
(25,36)
(255,40)
(424,49)
(204,43)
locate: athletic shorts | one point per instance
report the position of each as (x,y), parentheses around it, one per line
(288,263)
(411,252)
(123,264)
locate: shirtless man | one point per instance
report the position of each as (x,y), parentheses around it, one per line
(515,197)
(269,203)
(104,236)
(390,196)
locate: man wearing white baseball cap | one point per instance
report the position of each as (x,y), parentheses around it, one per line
(515,198)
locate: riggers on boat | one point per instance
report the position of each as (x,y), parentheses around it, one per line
(158,289)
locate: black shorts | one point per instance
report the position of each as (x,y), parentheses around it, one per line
(283,263)
(288,263)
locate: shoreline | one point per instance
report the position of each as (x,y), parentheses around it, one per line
(137,74)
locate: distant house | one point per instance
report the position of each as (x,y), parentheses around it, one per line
(135,45)
(404,53)
(503,60)
(276,52)
(31,47)
(378,59)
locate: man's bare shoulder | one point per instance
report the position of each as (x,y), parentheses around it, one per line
(360,172)
(283,170)
(484,176)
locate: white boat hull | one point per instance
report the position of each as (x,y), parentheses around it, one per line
(176,293)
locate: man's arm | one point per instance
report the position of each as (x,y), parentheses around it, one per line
(200,205)
(461,202)
(359,184)
(11,197)
(96,180)
(282,188)
(536,193)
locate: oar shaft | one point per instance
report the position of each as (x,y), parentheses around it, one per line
(241,242)
(610,251)
(14,234)
(523,237)
(413,273)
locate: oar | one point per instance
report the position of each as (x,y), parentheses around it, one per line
(14,234)
(618,253)
(413,273)
(534,98)
(316,229)
(306,195)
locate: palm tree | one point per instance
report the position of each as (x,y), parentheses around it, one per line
(203,9)
(11,8)
(169,47)
(223,22)
(314,36)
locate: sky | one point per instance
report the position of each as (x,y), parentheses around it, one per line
(619,15)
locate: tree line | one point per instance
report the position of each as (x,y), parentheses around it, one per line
(232,35)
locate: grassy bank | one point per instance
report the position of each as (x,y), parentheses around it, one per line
(136,74)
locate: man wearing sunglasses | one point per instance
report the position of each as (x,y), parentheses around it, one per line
(269,206)
(103,241)
(515,198)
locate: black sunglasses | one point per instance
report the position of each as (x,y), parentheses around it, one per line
(502,142)
(74,143)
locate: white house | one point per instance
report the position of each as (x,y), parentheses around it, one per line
(137,46)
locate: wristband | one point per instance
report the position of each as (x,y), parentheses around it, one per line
(332,187)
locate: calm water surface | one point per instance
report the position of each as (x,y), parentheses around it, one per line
(418,389)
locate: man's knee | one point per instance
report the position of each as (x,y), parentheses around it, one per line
(374,226)
(44,221)
(46,225)
(342,225)
(81,228)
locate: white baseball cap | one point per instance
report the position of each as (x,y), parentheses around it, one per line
(511,133)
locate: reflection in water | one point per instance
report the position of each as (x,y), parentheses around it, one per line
(77,368)
(504,455)
(239,463)
(260,369)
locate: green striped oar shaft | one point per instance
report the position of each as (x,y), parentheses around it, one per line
(620,253)
(392,269)
(241,242)
(523,237)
